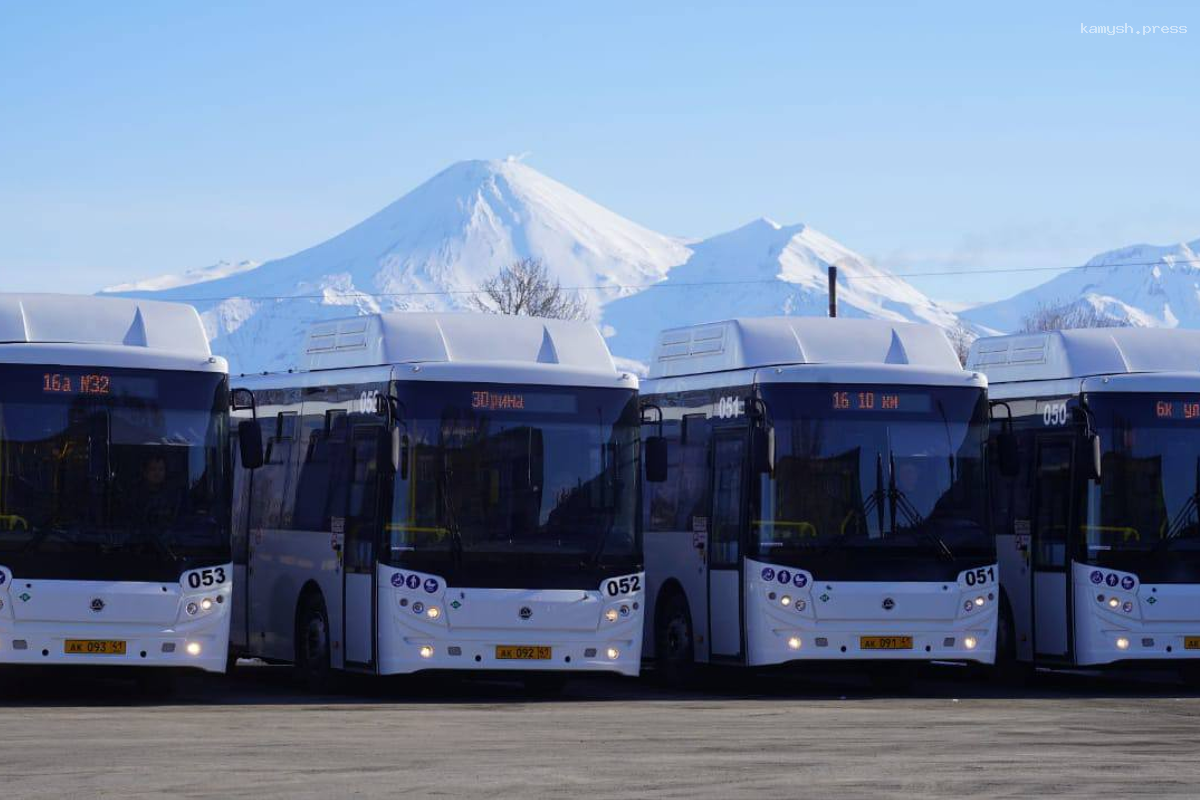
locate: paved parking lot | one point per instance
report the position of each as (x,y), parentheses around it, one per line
(253,735)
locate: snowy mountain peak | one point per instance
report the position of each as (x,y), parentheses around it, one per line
(1145,284)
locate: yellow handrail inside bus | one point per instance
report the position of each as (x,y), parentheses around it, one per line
(1128,533)
(804,528)
(11,520)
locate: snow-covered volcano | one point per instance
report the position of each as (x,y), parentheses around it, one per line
(1144,284)
(432,248)
(428,251)
(765,269)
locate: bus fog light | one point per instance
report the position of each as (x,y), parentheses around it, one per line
(794,643)
(192,609)
(785,601)
(611,615)
(193,648)
(1122,643)
(970,642)
(612,653)
(426,651)
(433,612)
(206,604)
(979,601)
(1113,602)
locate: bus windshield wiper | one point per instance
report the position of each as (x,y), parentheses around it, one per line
(915,522)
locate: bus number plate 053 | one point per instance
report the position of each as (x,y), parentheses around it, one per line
(1191,643)
(523,652)
(94,647)
(885,642)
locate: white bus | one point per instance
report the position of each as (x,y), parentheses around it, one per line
(114,486)
(441,492)
(825,498)
(1098,533)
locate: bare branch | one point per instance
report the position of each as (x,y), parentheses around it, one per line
(525,288)
(1065,316)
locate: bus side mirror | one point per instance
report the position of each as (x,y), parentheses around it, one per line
(241,400)
(1092,456)
(656,459)
(1008,454)
(250,442)
(762,450)
(400,453)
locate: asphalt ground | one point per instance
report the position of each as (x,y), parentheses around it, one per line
(254,734)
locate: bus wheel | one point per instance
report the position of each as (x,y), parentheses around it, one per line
(1008,670)
(674,648)
(312,645)
(545,684)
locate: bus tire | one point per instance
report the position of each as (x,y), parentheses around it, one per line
(312,664)
(1007,670)
(674,643)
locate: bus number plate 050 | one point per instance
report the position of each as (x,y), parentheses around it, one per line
(523,652)
(885,642)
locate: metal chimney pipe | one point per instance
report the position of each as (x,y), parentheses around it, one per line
(832,291)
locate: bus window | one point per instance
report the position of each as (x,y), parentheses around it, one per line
(1052,512)
(728,467)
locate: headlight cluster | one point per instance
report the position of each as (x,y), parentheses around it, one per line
(787,601)
(430,612)
(1115,603)
(623,611)
(200,607)
(979,601)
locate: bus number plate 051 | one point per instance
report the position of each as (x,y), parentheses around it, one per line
(1191,643)
(523,652)
(885,642)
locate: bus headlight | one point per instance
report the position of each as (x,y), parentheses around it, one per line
(206,604)
(426,651)
(193,648)
(1113,602)
(613,653)
(1122,643)
(794,643)
(979,601)
(970,643)
(611,615)
(433,612)
(785,601)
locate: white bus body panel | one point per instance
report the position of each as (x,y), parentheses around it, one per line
(673,556)
(39,615)
(469,624)
(1159,620)
(829,618)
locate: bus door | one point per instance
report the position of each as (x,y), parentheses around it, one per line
(1051,537)
(724,543)
(358,554)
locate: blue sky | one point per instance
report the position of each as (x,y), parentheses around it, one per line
(137,139)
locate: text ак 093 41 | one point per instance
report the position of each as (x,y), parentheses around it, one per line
(62,383)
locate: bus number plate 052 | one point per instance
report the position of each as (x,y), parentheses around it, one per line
(1191,643)
(885,642)
(523,652)
(94,647)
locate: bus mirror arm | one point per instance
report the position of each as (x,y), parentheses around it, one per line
(1008,453)
(250,443)
(762,436)
(400,453)
(1091,443)
(655,446)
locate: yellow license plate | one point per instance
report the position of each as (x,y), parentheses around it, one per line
(523,652)
(94,647)
(1191,643)
(885,642)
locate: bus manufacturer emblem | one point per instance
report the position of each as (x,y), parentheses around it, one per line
(525,613)
(97,605)
(888,604)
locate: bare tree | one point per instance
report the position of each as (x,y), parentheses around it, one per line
(525,288)
(1065,316)
(961,338)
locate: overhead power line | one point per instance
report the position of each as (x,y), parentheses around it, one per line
(842,278)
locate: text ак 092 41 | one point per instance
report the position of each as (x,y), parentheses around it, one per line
(60,383)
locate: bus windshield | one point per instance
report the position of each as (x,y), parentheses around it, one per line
(112,474)
(875,481)
(1143,516)
(516,486)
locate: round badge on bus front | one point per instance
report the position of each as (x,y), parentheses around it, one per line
(412,581)
(768,574)
(1127,582)
(430,585)
(97,605)
(1097,577)
(1112,579)
(525,613)
(888,604)
(785,576)
(800,581)
(397,579)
